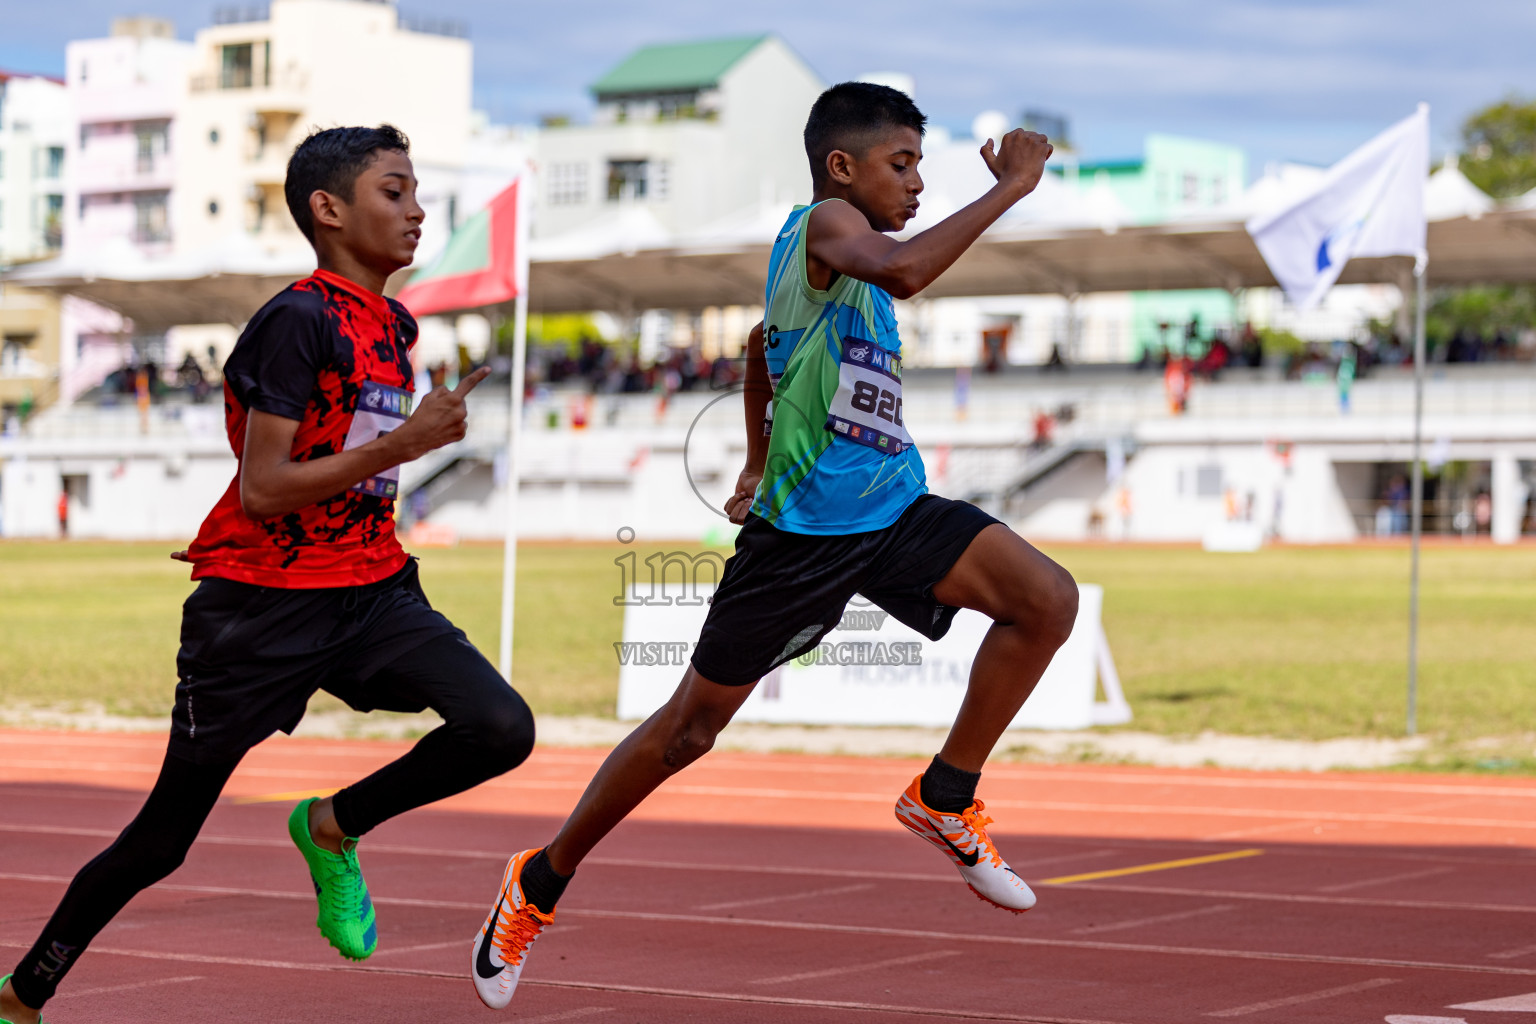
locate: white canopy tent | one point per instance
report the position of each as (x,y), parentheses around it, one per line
(1057,241)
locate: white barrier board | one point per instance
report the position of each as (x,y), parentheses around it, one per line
(903,678)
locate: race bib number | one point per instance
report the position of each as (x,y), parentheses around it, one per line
(867,406)
(380,409)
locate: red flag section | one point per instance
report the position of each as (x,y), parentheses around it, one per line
(478,268)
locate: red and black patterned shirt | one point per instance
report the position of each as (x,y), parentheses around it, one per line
(309,355)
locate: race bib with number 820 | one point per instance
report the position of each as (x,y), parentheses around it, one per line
(867,405)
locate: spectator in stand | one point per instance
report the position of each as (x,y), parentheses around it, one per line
(722,373)
(1216,357)
(1176,384)
(1393,353)
(1482,512)
(1399,498)
(1045,428)
(1345,378)
(1252,347)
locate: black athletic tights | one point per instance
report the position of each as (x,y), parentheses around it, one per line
(487,730)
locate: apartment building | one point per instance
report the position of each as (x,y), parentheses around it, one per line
(262,78)
(689,132)
(124,92)
(33,134)
(33,131)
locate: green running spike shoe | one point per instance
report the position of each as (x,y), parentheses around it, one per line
(346,916)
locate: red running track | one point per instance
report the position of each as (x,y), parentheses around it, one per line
(779,888)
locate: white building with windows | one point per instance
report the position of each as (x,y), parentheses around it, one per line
(263,79)
(124,91)
(33,135)
(687,134)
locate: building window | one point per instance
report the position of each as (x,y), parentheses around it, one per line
(235,66)
(213,136)
(53,221)
(626,180)
(677,106)
(1218,190)
(15,358)
(152,142)
(567,184)
(151,222)
(661,179)
(213,207)
(54,162)
(1191,190)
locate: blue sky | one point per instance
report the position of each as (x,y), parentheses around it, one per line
(1286,80)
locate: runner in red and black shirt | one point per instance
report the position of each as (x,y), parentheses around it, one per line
(323,350)
(302,585)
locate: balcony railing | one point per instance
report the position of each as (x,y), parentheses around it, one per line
(237,15)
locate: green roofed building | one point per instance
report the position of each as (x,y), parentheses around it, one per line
(686,135)
(1174,177)
(673,69)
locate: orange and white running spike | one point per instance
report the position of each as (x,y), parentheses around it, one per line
(964,840)
(501,948)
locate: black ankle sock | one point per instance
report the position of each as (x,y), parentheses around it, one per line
(947,788)
(542,887)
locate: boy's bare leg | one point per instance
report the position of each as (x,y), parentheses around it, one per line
(678,734)
(1033,604)
(14,1009)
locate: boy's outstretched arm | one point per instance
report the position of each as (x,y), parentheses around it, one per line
(842,239)
(755,398)
(272,484)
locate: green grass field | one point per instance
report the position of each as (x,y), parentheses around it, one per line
(1290,642)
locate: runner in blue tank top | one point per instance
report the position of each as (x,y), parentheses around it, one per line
(834,503)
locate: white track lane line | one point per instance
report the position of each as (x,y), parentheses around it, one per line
(1116,926)
(846,929)
(551,1018)
(596,986)
(1406,876)
(833,972)
(76,993)
(785,897)
(899,876)
(1305,997)
(1513,954)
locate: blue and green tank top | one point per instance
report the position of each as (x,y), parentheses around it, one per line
(840,459)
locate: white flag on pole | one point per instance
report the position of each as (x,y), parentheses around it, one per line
(1371,203)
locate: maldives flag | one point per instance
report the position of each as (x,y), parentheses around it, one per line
(478,267)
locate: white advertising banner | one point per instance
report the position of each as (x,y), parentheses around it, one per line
(871,670)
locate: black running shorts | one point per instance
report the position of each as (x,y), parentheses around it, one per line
(251,656)
(782,592)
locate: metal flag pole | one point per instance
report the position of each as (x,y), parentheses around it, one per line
(1417,513)
(514,422)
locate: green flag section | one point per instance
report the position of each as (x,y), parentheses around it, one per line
(478,267)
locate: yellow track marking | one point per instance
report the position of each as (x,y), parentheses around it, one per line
(277,798)
(1162,865)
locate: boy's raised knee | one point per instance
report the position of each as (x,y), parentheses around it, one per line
(1059,613)
(504,731)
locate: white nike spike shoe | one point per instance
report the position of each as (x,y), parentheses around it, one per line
(964,840)
(501,948)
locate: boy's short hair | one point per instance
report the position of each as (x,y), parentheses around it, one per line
(330,160)
(849,115)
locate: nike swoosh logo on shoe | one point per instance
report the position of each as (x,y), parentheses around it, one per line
(968,859)
(483,965)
